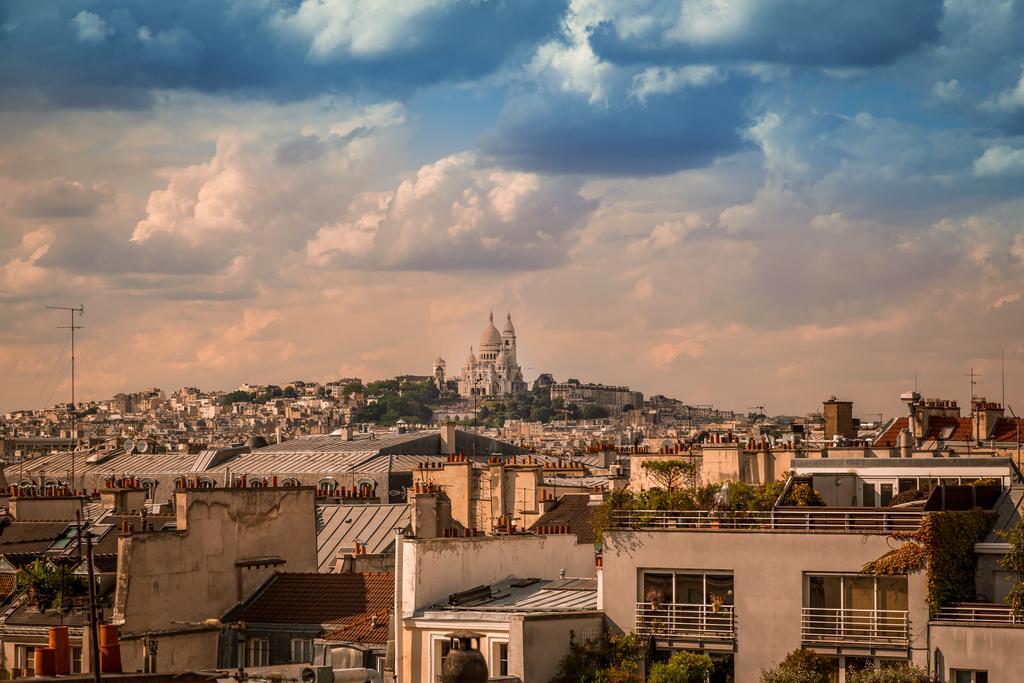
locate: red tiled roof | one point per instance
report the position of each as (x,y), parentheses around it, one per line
(1005,430)
(575,510)
(317,598)
(889,438)
(962,429)
(370,629)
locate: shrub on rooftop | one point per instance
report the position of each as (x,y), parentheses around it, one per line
(900,673)
(682,667)
(800,666)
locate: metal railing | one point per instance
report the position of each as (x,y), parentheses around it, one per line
(979,613)
(821,625)
(706,622)
(859,521)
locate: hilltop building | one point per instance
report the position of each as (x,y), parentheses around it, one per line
(495,372)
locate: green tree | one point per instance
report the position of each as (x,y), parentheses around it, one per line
(237,397)
(594,412)
(289,392)
(682,667)
(48,587)
(669,474)
(608,659)
(800,666)
(1013,562)
(900,673)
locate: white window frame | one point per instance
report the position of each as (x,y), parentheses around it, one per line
(257,652)
(25,659)
(973,672)
(304,649)
(436,643)
(494,646)
(76,659)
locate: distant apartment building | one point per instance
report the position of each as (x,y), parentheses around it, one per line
(612,398)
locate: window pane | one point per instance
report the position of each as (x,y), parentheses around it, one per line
(962,677)
(720,586)
(657,588)
(907,485)
(824,592)
(892,593)
(690,589)
(980,677)
(859,592)
(886,494)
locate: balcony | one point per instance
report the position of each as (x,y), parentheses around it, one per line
(829,520)
(700,623)
(979,613)
(858,628)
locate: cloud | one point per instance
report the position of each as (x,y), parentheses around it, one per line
(90,28)
(116,53)
(457,214)
(824,33)
(1000,160)
(1009,100)
(563,133)
(59,198)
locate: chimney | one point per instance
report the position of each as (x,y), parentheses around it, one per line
(839,419)
(986,415)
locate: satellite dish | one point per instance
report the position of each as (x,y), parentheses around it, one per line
(142,447)
(129,446)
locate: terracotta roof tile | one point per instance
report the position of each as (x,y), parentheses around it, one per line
(288,598)
(889,438)
(372,629)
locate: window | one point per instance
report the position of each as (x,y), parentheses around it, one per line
(257,652)
(499,658)
(965,676)
(76,659)
(25,659)
(687,588)
(442,646)
(886,494)
(302,650)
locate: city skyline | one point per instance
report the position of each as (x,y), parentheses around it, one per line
(705,200)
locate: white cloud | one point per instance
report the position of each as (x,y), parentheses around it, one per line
(998,161)
(663,80)
(90,28)
(948,91)
(1010,99)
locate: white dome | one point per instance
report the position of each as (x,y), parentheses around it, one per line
(490,336)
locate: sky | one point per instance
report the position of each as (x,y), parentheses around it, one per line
(733,202)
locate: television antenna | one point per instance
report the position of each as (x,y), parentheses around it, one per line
(80,309)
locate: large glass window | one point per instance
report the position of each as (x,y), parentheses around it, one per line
(302,650)
(687,588)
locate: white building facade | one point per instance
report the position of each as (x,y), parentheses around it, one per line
(495,371)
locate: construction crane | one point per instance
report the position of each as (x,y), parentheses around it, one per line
(760,410)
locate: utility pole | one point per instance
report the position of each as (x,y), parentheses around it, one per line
(80,309)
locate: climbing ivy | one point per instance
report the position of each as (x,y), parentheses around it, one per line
(1013,562)
(944,546)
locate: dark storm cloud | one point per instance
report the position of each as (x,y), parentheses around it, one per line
(110,52)
(59,198)
(563,133)
(86,250)
(799,32)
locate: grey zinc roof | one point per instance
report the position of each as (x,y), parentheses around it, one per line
(538,595)
(360,443)
(339,527)
(134,463)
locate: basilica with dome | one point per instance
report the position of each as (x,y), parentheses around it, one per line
(493,370)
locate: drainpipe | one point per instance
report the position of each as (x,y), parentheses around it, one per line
(396,618)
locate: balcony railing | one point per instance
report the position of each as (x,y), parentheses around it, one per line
(678,621)
(869,627)
(858,521)
(979,613)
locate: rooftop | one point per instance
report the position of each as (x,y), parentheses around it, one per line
(307,598)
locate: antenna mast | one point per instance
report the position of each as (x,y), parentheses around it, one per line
(80,309)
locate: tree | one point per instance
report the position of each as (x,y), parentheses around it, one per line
(670,474)
(900,673)
(49,587)
(800,666)
(289,392)
(608,659)
(1013,562)
(682,667)
(594,412)
(628,407)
